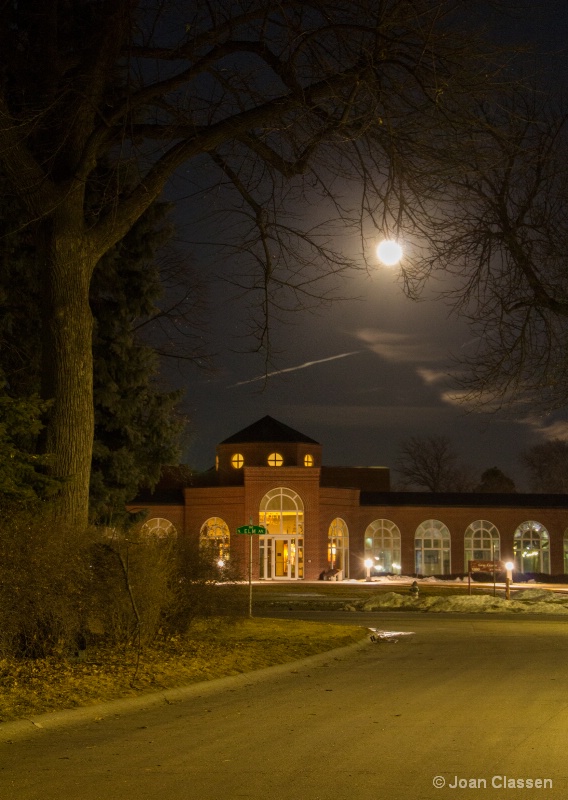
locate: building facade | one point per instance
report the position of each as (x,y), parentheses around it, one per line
(320,519)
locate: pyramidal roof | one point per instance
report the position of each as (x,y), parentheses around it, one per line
(268,429)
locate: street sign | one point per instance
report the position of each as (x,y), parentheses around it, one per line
(252,530)
(486,566)
(479,565)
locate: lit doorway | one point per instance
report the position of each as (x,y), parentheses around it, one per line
(282,549)
(281,558)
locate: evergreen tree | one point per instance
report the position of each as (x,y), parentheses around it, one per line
(136,426)
(495,480)
(22,471)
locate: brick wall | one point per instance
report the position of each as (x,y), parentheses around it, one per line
(304,481)
(457,519)
(174,513)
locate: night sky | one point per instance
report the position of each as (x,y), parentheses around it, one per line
(361,375)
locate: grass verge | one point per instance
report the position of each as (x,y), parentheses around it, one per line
(213,649)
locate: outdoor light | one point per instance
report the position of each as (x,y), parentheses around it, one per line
(368,564)
(220,563)
(389,252)
(509,567)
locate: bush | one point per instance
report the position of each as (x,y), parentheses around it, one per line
(61,587)
(133,579)
(203,588)
(44,585)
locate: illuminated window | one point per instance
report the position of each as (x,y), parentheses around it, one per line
(338,546)
(237,460)
(531,547)
(382,546)
(432,548)
(281,512)
(308,460)
(275,460)
(214,537)
(216,462)
(481,542)
(158,527)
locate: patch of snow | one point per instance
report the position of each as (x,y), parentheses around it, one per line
(544,603)
(531,594)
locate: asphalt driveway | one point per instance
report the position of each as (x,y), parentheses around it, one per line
(472,704)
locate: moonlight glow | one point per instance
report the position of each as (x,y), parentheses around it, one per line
(389,252)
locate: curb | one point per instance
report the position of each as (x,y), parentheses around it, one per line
(53,720)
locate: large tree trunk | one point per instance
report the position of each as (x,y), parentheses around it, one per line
(68,366)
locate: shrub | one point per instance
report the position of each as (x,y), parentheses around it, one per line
(203,588)
(60,587)
(133,576)
(44,584)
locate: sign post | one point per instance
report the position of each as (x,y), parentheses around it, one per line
(251,530)
(483,566)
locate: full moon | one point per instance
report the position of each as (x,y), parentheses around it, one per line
(389,252)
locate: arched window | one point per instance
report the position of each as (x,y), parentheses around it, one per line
(382,545)
(275,460)
(215,537)
(481,542)
(432,548)
(531,546)
(282,512)
(281,550)
(338,546)
(237,460)
(308,460)
(159,527)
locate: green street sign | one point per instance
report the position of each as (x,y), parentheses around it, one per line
(252,530)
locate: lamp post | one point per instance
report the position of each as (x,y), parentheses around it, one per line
(509,567)
(368,564)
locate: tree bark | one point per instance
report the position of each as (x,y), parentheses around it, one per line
(67,379)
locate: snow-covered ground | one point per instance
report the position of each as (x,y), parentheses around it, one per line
(523,601)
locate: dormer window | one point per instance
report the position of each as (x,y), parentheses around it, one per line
(237,460)
(275,460)
(308,460)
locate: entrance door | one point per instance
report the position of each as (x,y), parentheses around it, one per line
(281,557)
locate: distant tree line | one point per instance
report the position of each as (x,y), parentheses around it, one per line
(431,463)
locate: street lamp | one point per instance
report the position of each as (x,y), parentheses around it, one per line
(368,564)
(509,566)
(389,252)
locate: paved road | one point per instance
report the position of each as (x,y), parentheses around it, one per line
(473,698)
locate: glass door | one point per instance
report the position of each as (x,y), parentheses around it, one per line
(281,557)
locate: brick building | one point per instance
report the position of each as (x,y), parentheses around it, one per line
(319,518)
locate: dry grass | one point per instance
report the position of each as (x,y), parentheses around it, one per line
(212,650)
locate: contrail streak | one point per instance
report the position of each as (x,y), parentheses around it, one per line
(293,369)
